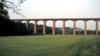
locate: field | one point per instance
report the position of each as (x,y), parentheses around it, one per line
(50,45)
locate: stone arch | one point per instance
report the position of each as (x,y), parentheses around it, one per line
(31,26)
(40,22)
(59,26)
(40,27)
(58,23)
(79,27)
(31,21)
(69,26)
(23,21)
(69,23)
(91,26)
(49,25)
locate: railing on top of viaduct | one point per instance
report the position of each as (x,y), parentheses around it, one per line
(63,21)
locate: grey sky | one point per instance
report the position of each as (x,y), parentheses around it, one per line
(59,9)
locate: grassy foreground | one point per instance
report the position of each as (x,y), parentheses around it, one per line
(49,45)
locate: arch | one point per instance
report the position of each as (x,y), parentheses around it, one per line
(40,22)
(91,27)
(25,24)
(23,21)
(69,23)
(31,26)
(40,28)
(58,25)
(68,27)
(31,21)
(49,25)
(80,27)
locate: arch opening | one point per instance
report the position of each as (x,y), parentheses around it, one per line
(69,27)
(91,27)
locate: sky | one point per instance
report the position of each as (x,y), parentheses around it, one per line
(59,9)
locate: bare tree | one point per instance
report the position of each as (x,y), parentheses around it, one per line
(10,4)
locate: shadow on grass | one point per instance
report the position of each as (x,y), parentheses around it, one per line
(84,47)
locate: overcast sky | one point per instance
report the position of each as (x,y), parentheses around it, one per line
(59,9)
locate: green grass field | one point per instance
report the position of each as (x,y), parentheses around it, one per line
(49,45)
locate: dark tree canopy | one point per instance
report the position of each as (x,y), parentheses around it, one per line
(5,5)
(8,27)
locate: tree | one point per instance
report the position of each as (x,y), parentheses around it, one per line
(8,27)
(10,4)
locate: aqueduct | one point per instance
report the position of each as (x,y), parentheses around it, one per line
(63,22)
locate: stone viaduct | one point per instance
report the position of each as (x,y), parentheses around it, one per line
(63,21)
